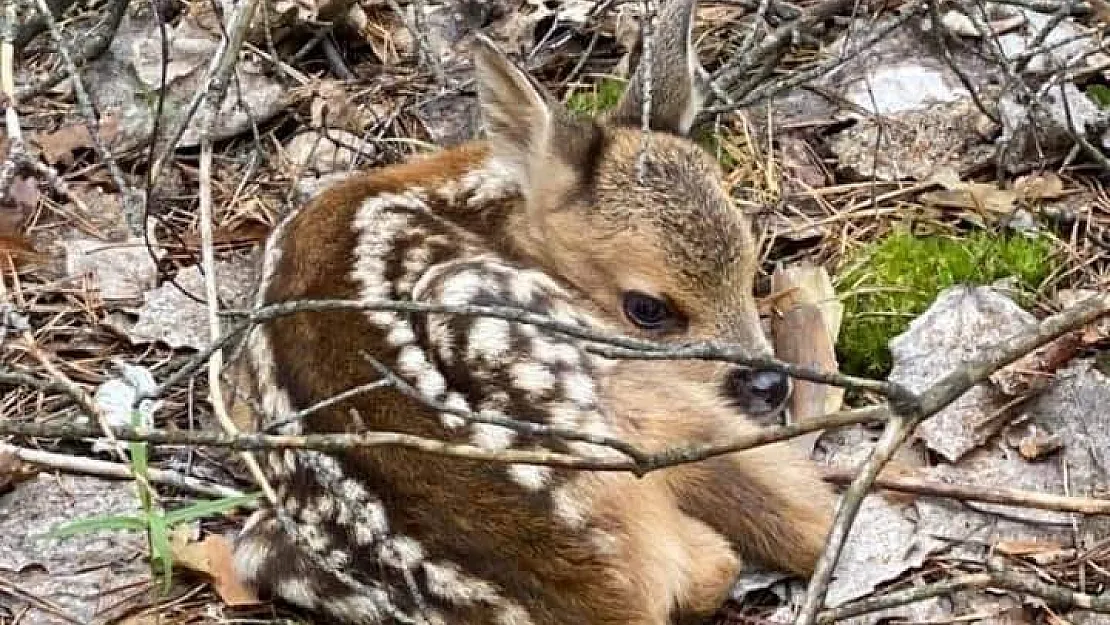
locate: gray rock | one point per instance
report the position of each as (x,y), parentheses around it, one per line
(954,330)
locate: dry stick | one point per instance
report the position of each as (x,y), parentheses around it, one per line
(648,65)
(84,104)
(946,54)
(7,92)
(102,468)
(782,36)
(907,417)
(344,442)
(771,89)
(97,47)
(1052,593)
(516,425)
(88,406)
(624,347)
(211,295)
(903,597)
(216,80)
(960,492)
(418,29)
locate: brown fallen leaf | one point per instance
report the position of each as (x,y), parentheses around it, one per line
(1045,186)
(17,250)
(1034,371)
(1021,547)
(212,557)
(1095,332)
(58,146)
(1039,445)
(13,470)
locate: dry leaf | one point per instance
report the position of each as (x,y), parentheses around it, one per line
(19,251)
(1037,446)
(24,192)
(122,271)
(58,146)
(1020,547)
(1033,372)
(972,195)
(212,557)
(1046,186)
(13,470)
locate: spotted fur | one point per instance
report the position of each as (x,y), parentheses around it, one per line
(550,215)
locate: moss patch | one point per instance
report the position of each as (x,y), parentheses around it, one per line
(894,280)
(599,98)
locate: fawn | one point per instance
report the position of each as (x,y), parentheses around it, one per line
(555,214)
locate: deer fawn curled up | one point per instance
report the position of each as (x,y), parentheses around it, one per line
(550,213)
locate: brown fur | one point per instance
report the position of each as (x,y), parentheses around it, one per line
(588,548)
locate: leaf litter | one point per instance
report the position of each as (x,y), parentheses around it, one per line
(1031,426)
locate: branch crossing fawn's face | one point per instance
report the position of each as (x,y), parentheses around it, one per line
(646,230)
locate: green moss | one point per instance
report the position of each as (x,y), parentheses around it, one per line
(716,145)
(894,280)
(1100,94)
(601,97)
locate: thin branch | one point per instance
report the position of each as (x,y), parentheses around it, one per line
(1052,593)
(906,418)
(983,494)
(215,84)
(92,121)
(727,74)
(773,88)
(627,347)
(208,259)
(904,597)
(97,46)
(647,63)
(8,97)
(417,27)
(102,468)
(674,456)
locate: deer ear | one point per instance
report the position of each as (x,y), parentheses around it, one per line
(676,94)
(529,129)
(518,112)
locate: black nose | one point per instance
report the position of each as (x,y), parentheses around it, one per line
(758,391)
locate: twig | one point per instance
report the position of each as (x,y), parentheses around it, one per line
(102,468)
(215,83)
(674,456)
(904,597)
(994,578)
(906,418)
(647,64)
(770,89)
(215,364)
(326,403)
(517,425)
(98,45)
(417,28)
(1003,496)
(749,39)
(88,406)
(781,37)
(8,97)
(84,104)
(1057,595)
(946,54)
(622,347)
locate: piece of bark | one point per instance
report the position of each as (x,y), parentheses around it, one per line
(805,322)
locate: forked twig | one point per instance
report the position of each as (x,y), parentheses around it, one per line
(906,418)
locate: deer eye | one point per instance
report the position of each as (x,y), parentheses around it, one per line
(649,313)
